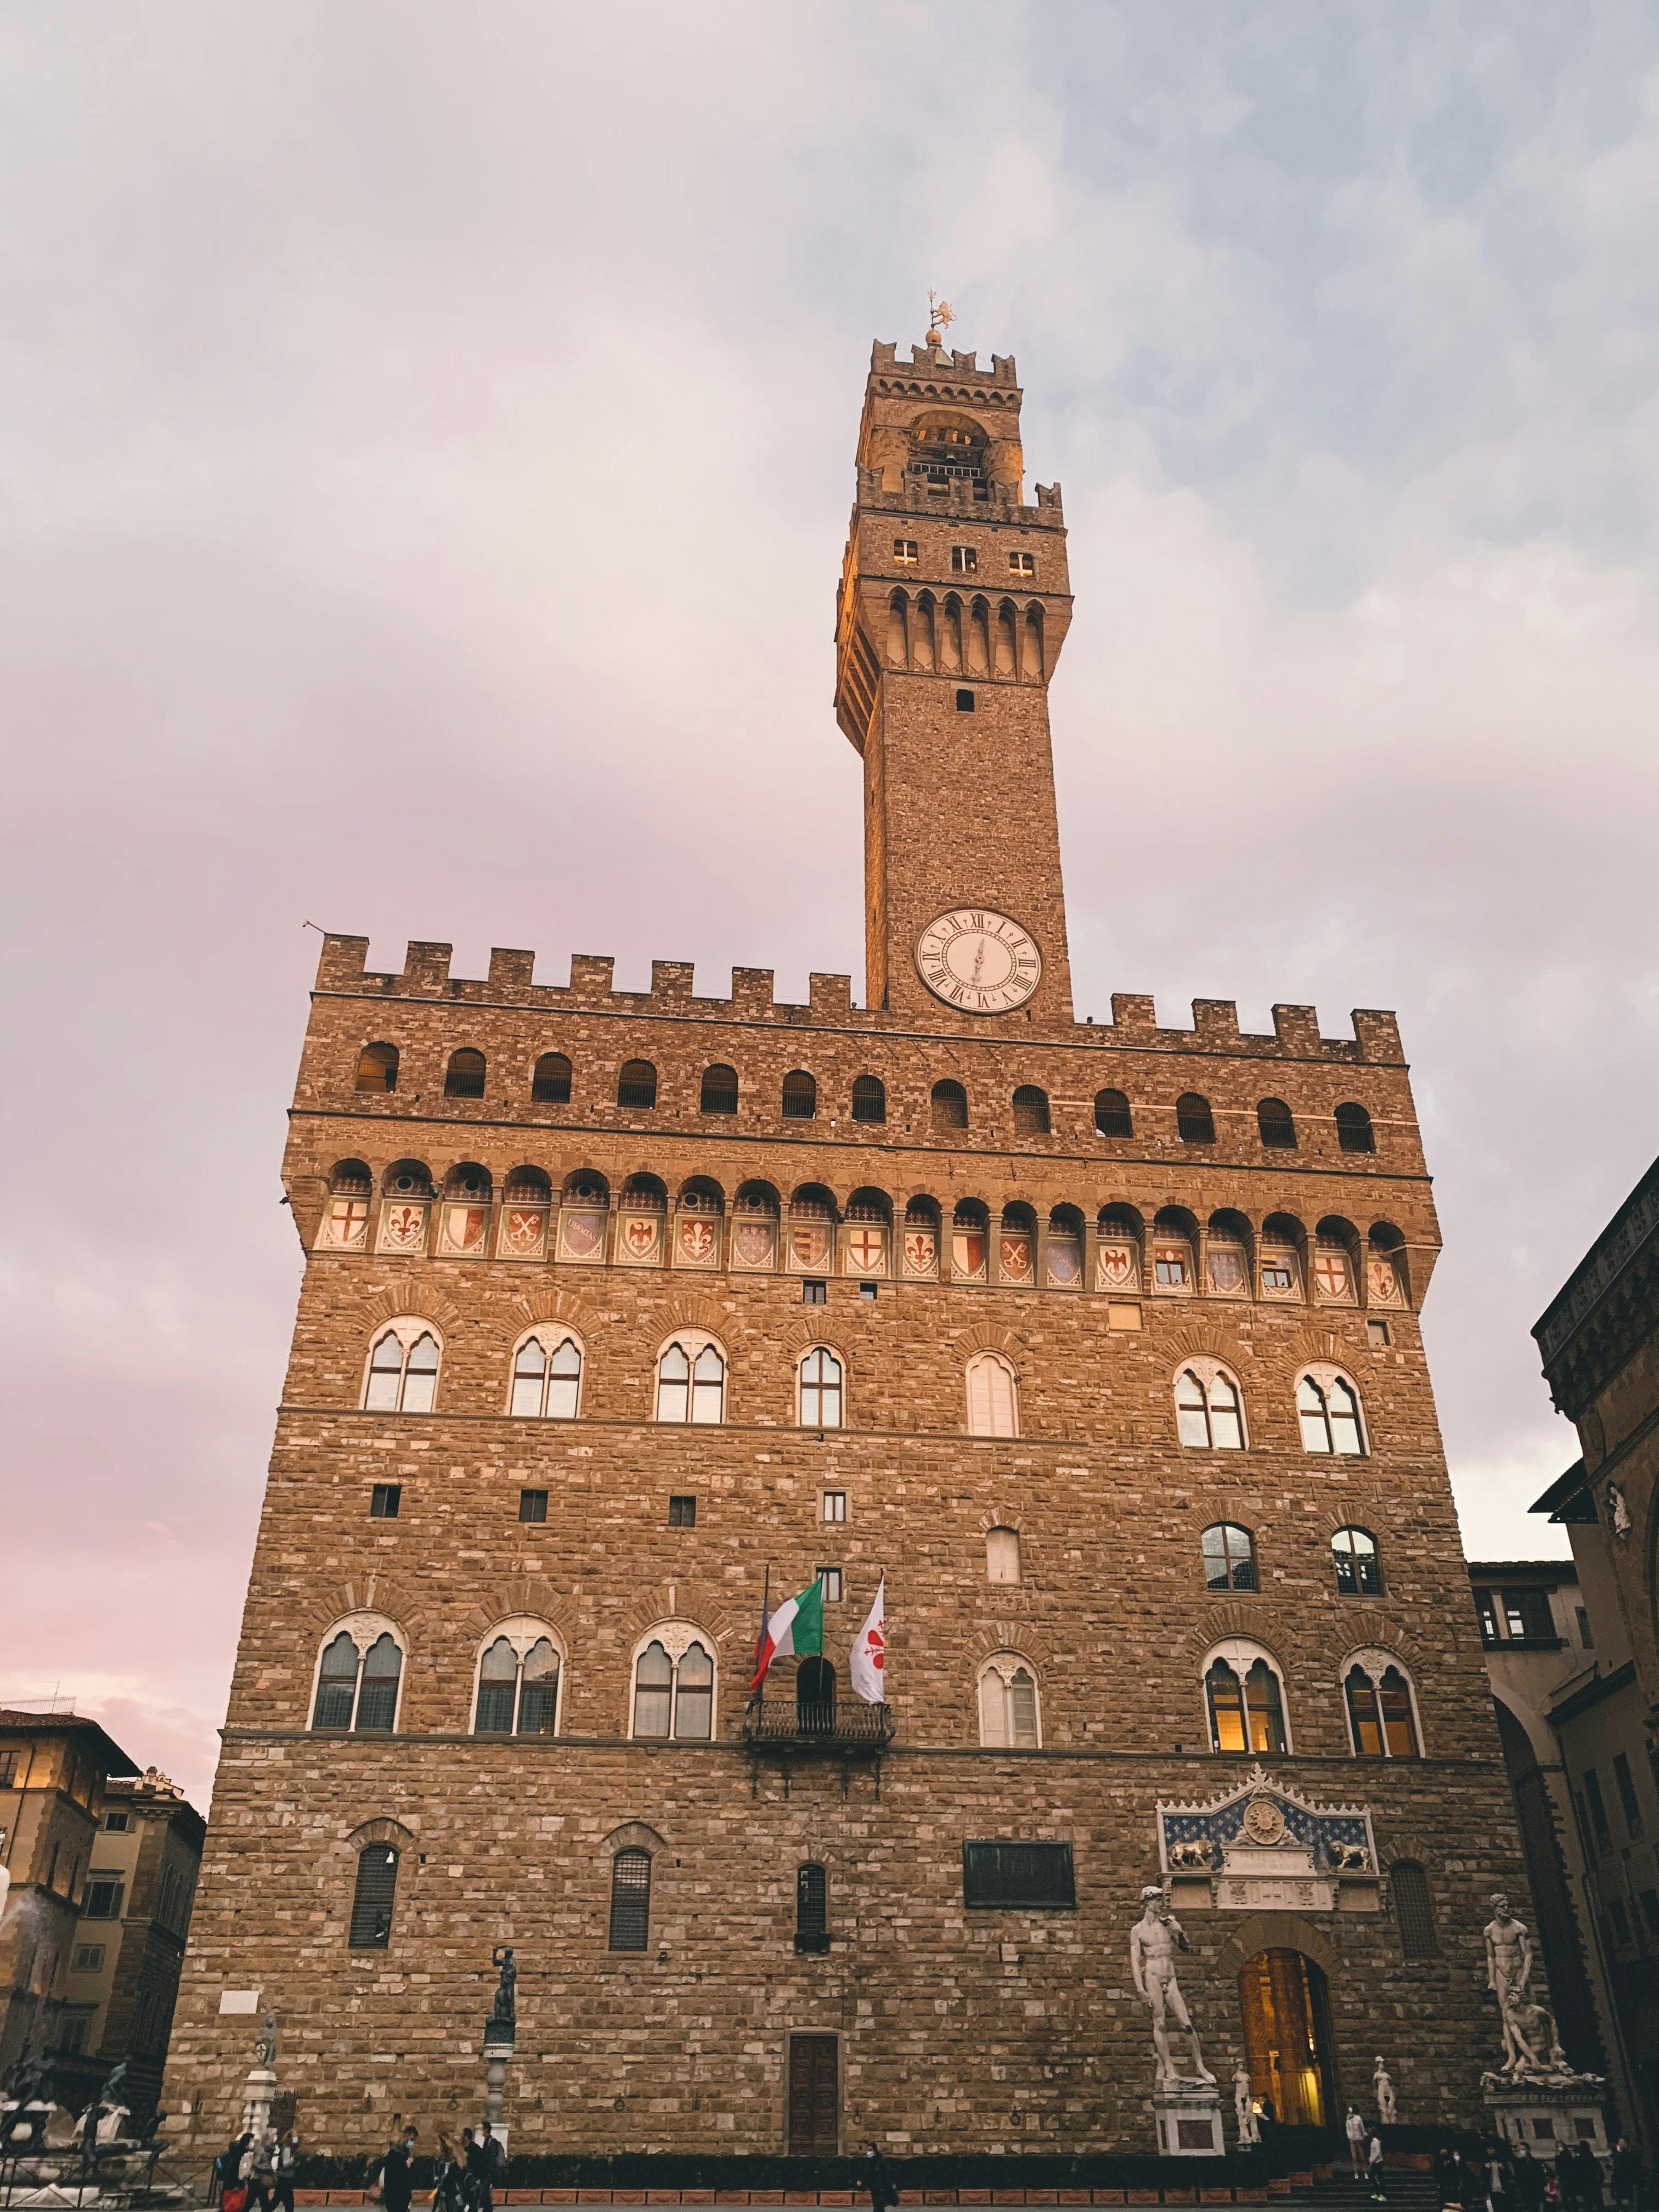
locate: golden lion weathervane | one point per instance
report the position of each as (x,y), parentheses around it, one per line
(940,316)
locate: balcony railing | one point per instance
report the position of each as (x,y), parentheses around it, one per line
(789,1725)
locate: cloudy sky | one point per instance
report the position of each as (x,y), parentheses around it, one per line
(425,450)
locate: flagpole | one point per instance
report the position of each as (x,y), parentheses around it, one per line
(760,1641)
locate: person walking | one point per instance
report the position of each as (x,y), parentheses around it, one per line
(877,2180)
(480,2191)
(287,2152)
(1374,2167)
(397,2181)
(1356,2132)
(1528,2175)
(448,2190)
(1497,2180)
(1590,2178)
(258,2172)
(1627,2177)
(1445,2177)
(495,2161)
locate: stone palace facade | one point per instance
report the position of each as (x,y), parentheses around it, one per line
(1100,1340)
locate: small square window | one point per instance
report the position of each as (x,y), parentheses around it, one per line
(103,1899)
(904,552)
(964,560)
(834,1504)
(1377,1332)
(117,1824)
(1022,564)
(965,703)
(8,1769)
(814,1294)
(532,1505)
(869,1290)
(88,1958)
(384,1501)
(831,1579)
(682,1512)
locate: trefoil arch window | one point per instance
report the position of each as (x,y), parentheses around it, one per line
(373,1898)
(1381,1710)
(630,1901)
(519,1677)
(359,1676)
(1010,1709)
(1209,1408)
(1229,1557)
(993,1396)
(691,1380)
(674,1685)
(547,1375)
(1328,1408)
(1358,1570)
(820,1388)
(1244,1699)
(402,1376)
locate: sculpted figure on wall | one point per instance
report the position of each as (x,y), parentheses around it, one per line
(1153,1943)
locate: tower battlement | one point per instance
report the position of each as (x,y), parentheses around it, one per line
(342,970)
(936,363)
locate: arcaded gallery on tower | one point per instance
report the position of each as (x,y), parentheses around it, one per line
(622,1311)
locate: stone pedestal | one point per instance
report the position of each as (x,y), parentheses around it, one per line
(498,2045)
(1188,2115)
(1547,2113)
(257,2099)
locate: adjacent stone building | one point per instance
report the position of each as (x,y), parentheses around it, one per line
(1099,1341)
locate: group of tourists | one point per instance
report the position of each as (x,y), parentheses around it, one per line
(1366,2152)
(1507,2178)
(256,2168)
(255,2171)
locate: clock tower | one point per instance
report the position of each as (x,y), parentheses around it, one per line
(955,602)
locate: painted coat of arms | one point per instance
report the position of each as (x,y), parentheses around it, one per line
(348,1224)
(1014,1258)
(698,1244)
(1065,1263)
(524,1232)
(921,1252)
(754,1244)
(582,1234)
(1115,1268)
(403,1229)
(967,1255)
(866,1248)
(808,1246)
(464,1229)
(641,1237)
(1381,1284)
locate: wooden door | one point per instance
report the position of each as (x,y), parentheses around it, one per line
(814,2101)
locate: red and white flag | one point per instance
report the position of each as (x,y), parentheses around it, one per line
(867,1665)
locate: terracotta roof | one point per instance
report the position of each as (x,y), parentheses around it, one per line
(112,1758)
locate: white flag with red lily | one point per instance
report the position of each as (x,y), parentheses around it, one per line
(867,1666)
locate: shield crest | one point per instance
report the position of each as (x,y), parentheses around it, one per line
(1014,1258)
(524,1232)
(1331,1273)
(967,1255)
(1382,1284)
(581,1236)
(1226,1269)
(402,1228)
(921,1252)
(463,1227)
(347,1223)
(641,1234)
(1114,1266)
(696,1242)
(1065,1263)
(752,1243)
(867,1250)
(809,1245)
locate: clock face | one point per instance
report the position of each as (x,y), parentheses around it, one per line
(979,960)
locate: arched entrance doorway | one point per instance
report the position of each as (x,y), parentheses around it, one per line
(1285,2006)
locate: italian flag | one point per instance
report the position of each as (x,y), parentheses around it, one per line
(796,1628)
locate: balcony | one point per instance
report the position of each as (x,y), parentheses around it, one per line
(797,1725)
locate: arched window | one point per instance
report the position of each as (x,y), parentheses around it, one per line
(549,1081)
(1245,1700)
(1002,1555)
(518,1682)
(630,1901)
(1358,1570)
(820,1375)
(1195,1123)
(1382,1721)
(992,1403)
(465,1076)
(1277,1124)
(691,1381)
(812,1908)
(636,1086)
(402,1371)
(800,1096)
(1327,1406)
(720,1091)
(1230,1557)
(674,1687)
(373,1898)
(358,1679)
(1209,1409)
(547,1376)
(1030,1111)
(1353,1129)
(1414,1909)
(869,1098)
(949,1105)
(1112,1115)
(1009,1714)
(377,1067)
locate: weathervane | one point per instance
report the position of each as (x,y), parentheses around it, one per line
(940,316)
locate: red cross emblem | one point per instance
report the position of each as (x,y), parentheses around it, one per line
(1331,1272)
(866,1248)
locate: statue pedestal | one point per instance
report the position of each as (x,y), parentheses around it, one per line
(257,2099)
(498,2044)
(1548,2112)
(1188,2116)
